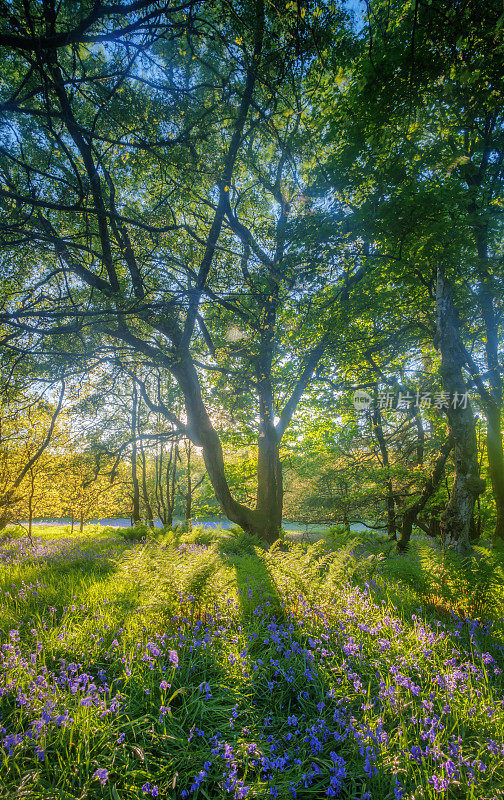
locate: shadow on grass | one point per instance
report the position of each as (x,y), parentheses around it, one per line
(257,591)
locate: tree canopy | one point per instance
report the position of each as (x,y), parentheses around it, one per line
(247,210)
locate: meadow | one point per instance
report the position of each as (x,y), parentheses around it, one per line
(199,665)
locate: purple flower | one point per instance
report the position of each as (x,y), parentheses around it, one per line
(40,753)
(173,658)
(101,775)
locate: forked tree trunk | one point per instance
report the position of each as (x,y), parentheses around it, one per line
(467,484)
(411,513)
(266,519)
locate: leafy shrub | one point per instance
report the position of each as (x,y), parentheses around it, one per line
(469,586)
(407,570)
(197,535)
(238,542)
(135,533)
(338,533)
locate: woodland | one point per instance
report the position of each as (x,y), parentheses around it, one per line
(251,399)
(217,221)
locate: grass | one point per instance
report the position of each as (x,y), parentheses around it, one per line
(199,665)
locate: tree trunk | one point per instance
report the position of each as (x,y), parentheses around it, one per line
(81,525)
(492,400)
(158,487)
(411,513)
(8,499)
(376,419)
(188,496)
(166,499)
(5,518)
(268,522)
(171,487)
(203,435)
(420,438)
(496,464)
(134,468)
(30,504)
(148,508)
(467,484)
(266,519)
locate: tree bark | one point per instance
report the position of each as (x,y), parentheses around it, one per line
(202,433)
(467,484)
(191,487)
(420,438)
(158,487)
(492,399)
(269,506)
(265,520)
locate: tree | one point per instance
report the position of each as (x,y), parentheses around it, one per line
(417,148)
(166,482)
(152,158)
(88,490)
(191,485)
(27,427)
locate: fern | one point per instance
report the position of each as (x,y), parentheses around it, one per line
(470,587)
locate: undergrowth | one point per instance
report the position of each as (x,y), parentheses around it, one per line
(200,665)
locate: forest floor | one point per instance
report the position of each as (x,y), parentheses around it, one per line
(201,666)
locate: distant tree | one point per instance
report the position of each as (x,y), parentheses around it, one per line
(88,491)
(27,426)
(188,489)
